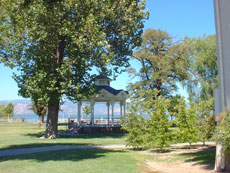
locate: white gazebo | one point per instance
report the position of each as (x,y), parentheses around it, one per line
(104,93)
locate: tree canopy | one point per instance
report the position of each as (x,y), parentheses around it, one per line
(2,112)
(55,44)
(202,67)
(161,62)
(9,109)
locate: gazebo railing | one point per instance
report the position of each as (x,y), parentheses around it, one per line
(97,121)
(102,121)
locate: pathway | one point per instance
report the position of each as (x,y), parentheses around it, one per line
(11,152)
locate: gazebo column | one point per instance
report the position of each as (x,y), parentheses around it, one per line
(112,103)
(108,104)
(124,104)
(92,103)
(121,108)
(79,111)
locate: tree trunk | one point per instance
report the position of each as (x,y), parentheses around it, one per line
(52,119)
(203,142)
(41,119)
(53,106)
(227,161)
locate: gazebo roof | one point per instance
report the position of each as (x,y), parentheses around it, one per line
(110,90)
(103,77)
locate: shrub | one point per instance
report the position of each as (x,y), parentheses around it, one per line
(223,132)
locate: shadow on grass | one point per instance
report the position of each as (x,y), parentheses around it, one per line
(33,145)
(63,155)
(204,157)
(81,136)
(196,146)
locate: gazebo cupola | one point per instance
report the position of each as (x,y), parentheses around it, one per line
(102,81)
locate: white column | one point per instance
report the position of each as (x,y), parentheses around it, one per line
(108,110)
(112,103)
(79,111)
(124,104)
(121,108)
(92,103)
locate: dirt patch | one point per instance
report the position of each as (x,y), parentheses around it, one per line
(171,163)
(177,167)
(146,168)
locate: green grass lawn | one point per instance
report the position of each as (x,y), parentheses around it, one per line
(21,135)
(18,135)
(84,160)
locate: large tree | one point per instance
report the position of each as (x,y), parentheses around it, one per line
(56,43)
(161,63)
(202,67)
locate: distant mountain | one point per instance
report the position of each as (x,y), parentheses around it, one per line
(68,108)
(24,101)
(22,107)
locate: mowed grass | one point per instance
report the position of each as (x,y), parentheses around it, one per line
(83,160)
(21,135)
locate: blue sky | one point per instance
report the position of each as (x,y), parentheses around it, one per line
(192,18)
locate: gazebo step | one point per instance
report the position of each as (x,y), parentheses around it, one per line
(96,129)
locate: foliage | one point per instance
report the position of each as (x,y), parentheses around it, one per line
(223,132)
(186,121)
(161,63)
(39,110)
(205,121)
(9,109)
(2,112)
(152,132)
(56,44)
(211,126)
(202,67)
(135,125)
(158,133)
(174,101)
(87,110)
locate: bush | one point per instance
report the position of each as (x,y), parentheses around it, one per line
(223,132)
(158,127)
(154,132)
(186,121)
(136,126)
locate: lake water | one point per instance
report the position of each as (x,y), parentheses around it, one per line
(32,118)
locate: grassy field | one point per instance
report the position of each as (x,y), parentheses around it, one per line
(84,160)
(21,135)
(18,135)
